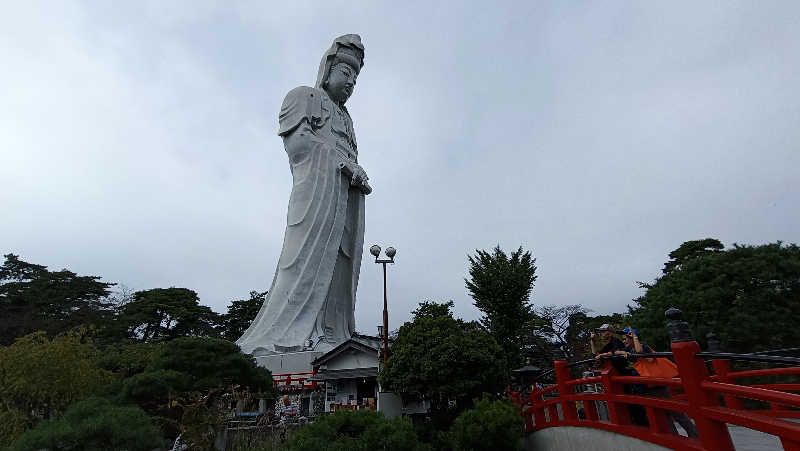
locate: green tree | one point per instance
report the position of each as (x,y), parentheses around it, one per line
(190,364)
(13,423)
(39,377)
(361,430)
(128,359)
(748,295)
(442,358)
(690,250)
(212,363)
(179,385)
(32,298)
(240,314)
(167,313)
(42,375)
(93,424)
(555,323)
(490,425)
(501,286)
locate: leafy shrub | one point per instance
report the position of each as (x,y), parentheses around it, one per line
(128,359)
(212,363)
(93,424)
(39,373)
(12,424)
(490,425)
(182,384)
(353,431)
(153,387)
(443,358)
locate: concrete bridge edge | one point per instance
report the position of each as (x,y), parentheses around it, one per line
(570,438)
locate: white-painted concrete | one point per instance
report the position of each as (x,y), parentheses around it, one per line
(567,438)
(353,358)
(293,362)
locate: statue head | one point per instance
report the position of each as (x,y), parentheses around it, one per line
(340,67)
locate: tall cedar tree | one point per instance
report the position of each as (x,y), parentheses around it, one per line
(240,314)
(501,287)
(749,296)
(33,298)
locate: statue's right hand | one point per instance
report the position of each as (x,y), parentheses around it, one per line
(358,177)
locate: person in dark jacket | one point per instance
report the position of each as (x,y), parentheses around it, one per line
(615,349)
(634,346)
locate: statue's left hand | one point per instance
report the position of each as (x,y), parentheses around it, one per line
(359,176)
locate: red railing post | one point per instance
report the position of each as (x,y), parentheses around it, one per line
(721,369)
(538,410)
(789,445)
(590,407)
(564,390)
(618,413)
(692,371)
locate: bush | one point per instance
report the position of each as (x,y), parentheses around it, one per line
(40,374)
(355,430)
(154,387)
(490,425)
(93,424)
(128,359)
(212,363)
(12,424)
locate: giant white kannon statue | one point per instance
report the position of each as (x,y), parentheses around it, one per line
(312,299)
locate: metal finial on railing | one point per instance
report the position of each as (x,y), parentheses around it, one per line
(677,328)
(714,345)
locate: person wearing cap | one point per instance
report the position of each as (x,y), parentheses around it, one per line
(630,338)
(612,346)
(618,352)
(633,345)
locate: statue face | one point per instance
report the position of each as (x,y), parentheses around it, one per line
(341,82)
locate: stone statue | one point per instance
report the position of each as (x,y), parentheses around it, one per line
(312,299)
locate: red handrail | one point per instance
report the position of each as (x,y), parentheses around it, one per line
(557,405)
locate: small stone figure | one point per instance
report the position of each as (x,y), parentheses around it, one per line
(313,292)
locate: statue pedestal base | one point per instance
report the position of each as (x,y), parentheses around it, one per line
(288,363)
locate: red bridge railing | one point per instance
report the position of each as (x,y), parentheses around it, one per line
(712,400)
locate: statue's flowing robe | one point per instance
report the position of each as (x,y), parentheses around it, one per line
(313,292)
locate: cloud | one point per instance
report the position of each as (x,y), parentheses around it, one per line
(138,140)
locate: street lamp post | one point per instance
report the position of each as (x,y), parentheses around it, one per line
(390,252)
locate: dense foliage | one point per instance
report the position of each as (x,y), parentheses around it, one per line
(40,377)
(154,358)
(442,358)
(490,425)
(153,349)
(182,382)
(93,424)
(748,295)
(240,314)
(361,430)
(32,298)
(212,363)
(167,313)
(501,286)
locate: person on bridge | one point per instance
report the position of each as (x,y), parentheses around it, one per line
(634,346)
(615,350)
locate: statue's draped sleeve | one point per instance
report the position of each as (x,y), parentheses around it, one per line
(301,103)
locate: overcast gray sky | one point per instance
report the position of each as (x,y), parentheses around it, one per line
(138,139)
